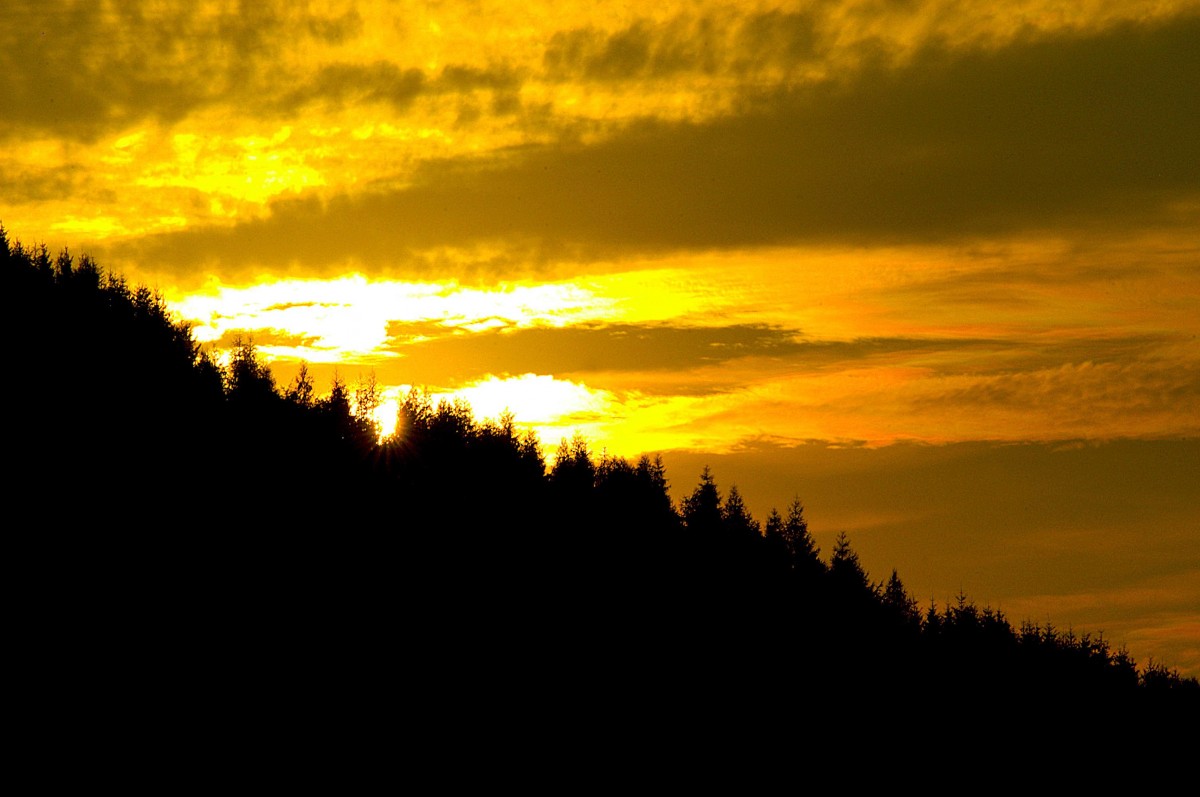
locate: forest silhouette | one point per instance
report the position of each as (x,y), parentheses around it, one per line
(174,515)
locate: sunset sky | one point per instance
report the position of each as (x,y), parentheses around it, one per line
(931,265)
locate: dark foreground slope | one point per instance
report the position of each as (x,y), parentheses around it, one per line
(196,537)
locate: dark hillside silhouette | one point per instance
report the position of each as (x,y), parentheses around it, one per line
(165,505)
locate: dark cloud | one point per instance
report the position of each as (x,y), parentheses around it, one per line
(591,54)
(706,44)
(1094,133)
(777,38)
(341,84)
(582,348)
(335,30)
(82,69)
(23,184)
(435,354)
(58,74)
(458,77)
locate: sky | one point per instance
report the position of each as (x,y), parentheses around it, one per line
(931,266)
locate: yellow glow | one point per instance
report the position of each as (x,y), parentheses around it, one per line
(91,226)
(253,168)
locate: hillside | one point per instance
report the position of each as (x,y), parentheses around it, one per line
(205,518)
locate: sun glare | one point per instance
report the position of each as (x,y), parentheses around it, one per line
(340,319)
(536,399)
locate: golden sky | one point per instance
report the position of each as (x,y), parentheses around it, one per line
(831,247)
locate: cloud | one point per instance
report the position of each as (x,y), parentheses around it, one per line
(937,390)
(441,355)
(1109,395)
(341,85)
(709,44)
(639,50)
(80,70)
(1073,133)
(580,349)
(25,184)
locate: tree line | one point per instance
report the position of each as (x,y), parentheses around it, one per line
(157,486)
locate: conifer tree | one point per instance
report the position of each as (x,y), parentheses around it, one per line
(248,379)
(736,517)
(897,599)
(702,509)
(846,570)
(803,550)
(301,390)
